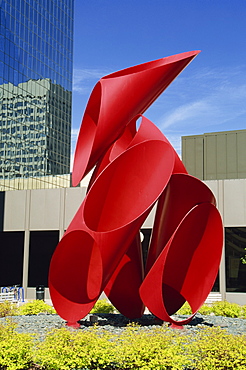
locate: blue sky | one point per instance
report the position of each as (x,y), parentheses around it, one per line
(208,96)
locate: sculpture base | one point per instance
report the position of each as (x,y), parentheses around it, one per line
(73,324)
(175,326)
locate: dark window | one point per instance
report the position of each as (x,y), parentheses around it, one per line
(42,246)
(235,244)
(2,205)
(11,257)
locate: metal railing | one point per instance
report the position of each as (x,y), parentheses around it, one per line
(13,293)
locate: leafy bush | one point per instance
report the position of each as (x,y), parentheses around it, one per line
(7,309)
(228,309)
(221,308)
(15,348)
(103,306)
(64,349)
(157,349)
(244,312)
(215,349)
(35,307)
(162,348)
(134,349)
(184,310)
(206,309)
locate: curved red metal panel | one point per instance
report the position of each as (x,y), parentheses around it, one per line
(123,286)
(134,169)
(75,275)
(115,100)
(184,270)
(182,193)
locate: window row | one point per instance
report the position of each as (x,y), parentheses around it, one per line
(43,243)
(15,76)
(38,13)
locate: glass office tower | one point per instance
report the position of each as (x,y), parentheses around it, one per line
(36,51)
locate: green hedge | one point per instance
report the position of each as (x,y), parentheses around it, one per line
(15,348)
(221,308)
(33,307)
(134,348)
(103,306)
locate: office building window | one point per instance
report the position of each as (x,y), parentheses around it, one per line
(41,248)
(235,244)
(11,257)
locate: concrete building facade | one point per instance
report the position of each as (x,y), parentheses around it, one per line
(216,155)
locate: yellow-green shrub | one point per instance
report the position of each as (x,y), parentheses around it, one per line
(221,308)
(7,309)
(16,349)
(206,309)
(103,306)
(154,349)
(244,311)
(64,349)
(35,307)
(184,310)
(215,349)
(157,349)
(160,348)
(224,308)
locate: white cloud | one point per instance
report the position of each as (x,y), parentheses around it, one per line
(222,99)
(183,113)
(74,136)
(84,79)
(208,100)
(71,161)
(74,133)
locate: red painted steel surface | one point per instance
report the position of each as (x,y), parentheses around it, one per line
(133,170)
(115,100)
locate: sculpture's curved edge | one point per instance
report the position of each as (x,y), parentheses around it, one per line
(110,108)
(75,275)
(184,271)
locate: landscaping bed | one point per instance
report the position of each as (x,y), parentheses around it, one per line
(43,341)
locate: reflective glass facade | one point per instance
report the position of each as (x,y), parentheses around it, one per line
(36,50)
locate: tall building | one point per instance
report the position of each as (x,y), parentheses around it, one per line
(36,51)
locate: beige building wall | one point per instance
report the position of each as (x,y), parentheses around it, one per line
(215,156)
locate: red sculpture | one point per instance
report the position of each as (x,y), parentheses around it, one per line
(134,169)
